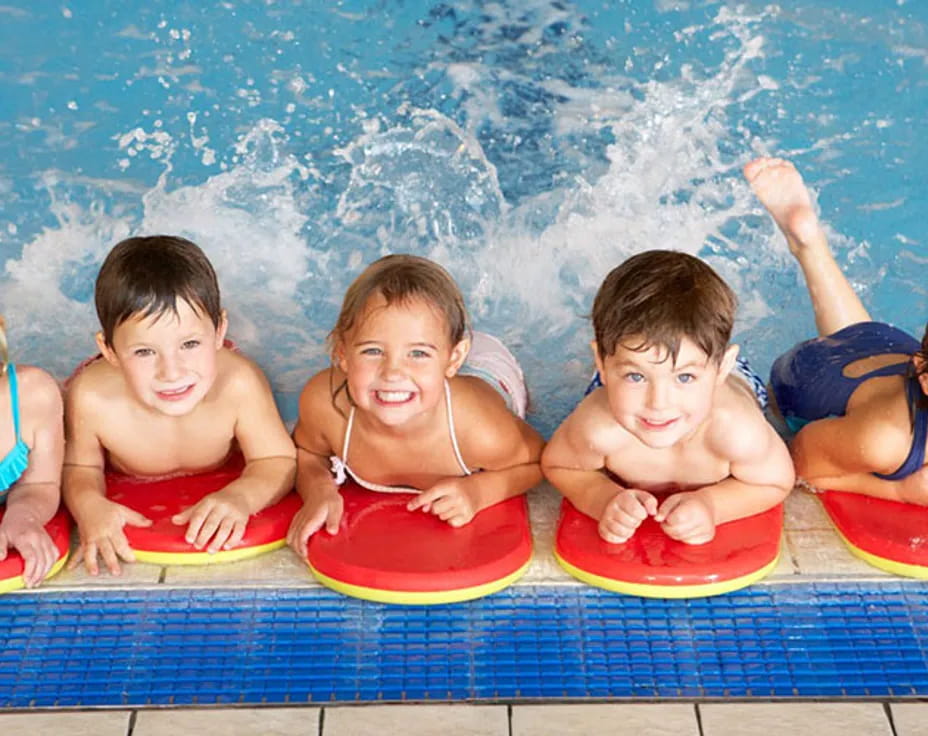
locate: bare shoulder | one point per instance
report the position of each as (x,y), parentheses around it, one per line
(239,373)
(39,392)
(97,385)
(592,426)
(738,429)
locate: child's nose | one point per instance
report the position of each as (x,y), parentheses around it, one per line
(392,367)
(168,367)
(657,395)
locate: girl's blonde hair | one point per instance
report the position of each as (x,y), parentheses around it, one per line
(399,279)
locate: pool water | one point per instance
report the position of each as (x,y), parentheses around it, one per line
(527,145)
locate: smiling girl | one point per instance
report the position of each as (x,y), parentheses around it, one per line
(412,401)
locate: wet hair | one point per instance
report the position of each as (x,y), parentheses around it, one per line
(400,279)
(147,275)
(660,297)
(923,354)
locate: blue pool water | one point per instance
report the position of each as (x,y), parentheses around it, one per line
(528,145)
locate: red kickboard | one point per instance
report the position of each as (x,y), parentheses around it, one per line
(892,530)
(650,558)
(382,546)
(58,528)
(159,500)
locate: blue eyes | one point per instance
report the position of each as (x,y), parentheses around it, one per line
(143,352)
(191,344)
(148,352)
(683,378)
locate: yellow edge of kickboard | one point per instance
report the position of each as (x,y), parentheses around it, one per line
(646,590)
(419,598)
(905,569)
(16,583)
(206,558)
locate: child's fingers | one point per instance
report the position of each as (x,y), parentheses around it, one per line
(183,517)
(235,539)
(667,508)
(90,553)
(76,558)
(334,517)
(207,529)
(121,547)
(110,556)
(424,500)
(614,531)
(221,536)
(4,546)
(134,518)
(648,501)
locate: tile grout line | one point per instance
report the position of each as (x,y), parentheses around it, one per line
(321,720)
(133,714)
(889,717)
(698,715)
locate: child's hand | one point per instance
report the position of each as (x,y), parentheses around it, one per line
(687,517)
(218,520)
(624,514)
(311,518)
(27,536)
(101,533)
(448,500)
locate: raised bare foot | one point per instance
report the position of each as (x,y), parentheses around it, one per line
(780,188)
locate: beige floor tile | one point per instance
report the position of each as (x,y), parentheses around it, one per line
(910,719)
(133,574)
(821,719)
(417,720)
(598,718)
(112,723)
(544,503)
(229,722)
(821,553)
(785,568)
(803,511)
(281,567)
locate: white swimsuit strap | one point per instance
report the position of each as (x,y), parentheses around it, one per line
(454,437)
(347,440)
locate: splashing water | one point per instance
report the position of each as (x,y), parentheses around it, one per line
(528,147)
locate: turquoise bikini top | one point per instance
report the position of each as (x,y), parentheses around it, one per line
(17,459)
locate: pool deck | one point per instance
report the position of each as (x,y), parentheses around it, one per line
(811,553)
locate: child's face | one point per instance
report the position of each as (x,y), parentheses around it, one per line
(396,359)
(167,360)
(658,401)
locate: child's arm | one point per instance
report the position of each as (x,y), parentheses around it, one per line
(843,453)
(34,498)
(322,503)
(492,440)
(99,521)
(219,520)
(575,461)
(761,476)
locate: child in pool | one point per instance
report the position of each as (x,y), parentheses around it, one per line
(396,410)
(673,411)
(858,390)
(30,473)
(167,397)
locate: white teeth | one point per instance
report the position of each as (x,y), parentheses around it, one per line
(394,396)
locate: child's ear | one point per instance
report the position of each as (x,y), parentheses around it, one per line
(727,362)
(597,359)
(222,328)
(458,356)
(338,356)
(105,350)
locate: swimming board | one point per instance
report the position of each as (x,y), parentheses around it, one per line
(653,565)
(163,542)
(890,535)
(11,569)
(382,552)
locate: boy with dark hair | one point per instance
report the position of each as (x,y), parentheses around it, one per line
(672,410)
(167,397)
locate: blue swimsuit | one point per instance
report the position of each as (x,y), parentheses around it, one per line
(17,460)
(809,382)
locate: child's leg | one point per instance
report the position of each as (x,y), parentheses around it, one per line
(780,189)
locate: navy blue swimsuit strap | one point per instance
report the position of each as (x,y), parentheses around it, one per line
(916,458)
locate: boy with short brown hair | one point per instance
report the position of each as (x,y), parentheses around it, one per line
(669,413)
(167,397)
